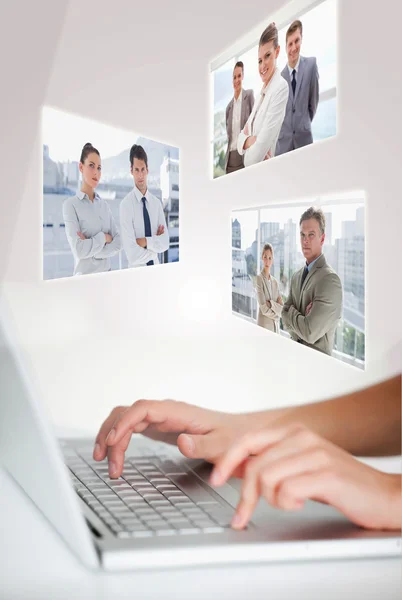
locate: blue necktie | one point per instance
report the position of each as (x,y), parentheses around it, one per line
(147,225)
(294,81)
(305,273)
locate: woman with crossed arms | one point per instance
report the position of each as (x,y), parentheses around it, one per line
(270,302)
(90,228)
(257,141)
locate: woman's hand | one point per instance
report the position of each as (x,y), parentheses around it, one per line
(81,235)
(211,432)
(250,141)
(279,300)
(290,464)
(108,238)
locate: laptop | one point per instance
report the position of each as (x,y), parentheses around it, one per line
(161,513)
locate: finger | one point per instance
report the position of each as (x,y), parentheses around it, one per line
(133,420)
(321,485)
(251,443)
(116,456)
(273,474)
(250,492)
(100,449)
(209,446)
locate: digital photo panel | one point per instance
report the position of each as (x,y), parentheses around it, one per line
(110,198)
(298,271)
(276,90)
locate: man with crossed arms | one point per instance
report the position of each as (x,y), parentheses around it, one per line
(314,305)
(143,227)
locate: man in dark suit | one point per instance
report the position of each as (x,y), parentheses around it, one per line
(237,112)
(301,73)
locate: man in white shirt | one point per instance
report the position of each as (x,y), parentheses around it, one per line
(237,112)
(143,226)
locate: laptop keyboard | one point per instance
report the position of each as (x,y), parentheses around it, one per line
(153,497)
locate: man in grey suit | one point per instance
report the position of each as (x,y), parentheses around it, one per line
(314,305)
(237,112)
(301,73)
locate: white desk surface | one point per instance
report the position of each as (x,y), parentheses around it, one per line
(36,564)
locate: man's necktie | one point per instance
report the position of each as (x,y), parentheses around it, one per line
(294,81)
(147,225)
(305,273)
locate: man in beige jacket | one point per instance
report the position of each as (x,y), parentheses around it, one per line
(314,305)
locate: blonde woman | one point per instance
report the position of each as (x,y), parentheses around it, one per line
(269,299)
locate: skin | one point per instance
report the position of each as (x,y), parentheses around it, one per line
(291,464)
(238,77)
(267,56)
(295,453)
(91,170)
(293,45)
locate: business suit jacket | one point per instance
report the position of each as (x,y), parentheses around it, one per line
(247,103)
(323,287)
(301,108)
(268,120)
(268,317)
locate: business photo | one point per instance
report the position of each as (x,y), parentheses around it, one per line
(278,92)
(298,271)
(110,198)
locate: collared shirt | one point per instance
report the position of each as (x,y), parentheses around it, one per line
(93,220)
(311,264)
(296,68)
(236,121)
(132,227)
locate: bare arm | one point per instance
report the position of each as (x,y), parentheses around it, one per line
(365,423)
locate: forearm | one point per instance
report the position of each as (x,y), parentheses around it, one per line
(366,422)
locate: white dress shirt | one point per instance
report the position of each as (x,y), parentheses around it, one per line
(265,121)
(296,68)
(93,220)
(132,226)
(236,121)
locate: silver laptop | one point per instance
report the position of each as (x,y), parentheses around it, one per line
(161,513)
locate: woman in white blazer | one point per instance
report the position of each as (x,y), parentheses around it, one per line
(257,141)
(270,301)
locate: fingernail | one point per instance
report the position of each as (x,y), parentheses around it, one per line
(215,477)
(111,436)
(189,443)
(97,449)
(112,468)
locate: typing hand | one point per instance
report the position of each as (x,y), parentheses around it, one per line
(161,229)
(211,432)
(290,464)
(308,308)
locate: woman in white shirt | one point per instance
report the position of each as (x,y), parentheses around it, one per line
(90,228)
(269,299)
(257,141)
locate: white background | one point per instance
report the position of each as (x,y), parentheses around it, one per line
(168,331)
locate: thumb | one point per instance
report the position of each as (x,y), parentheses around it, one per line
(208,446)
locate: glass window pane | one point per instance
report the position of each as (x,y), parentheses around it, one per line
(244,262)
